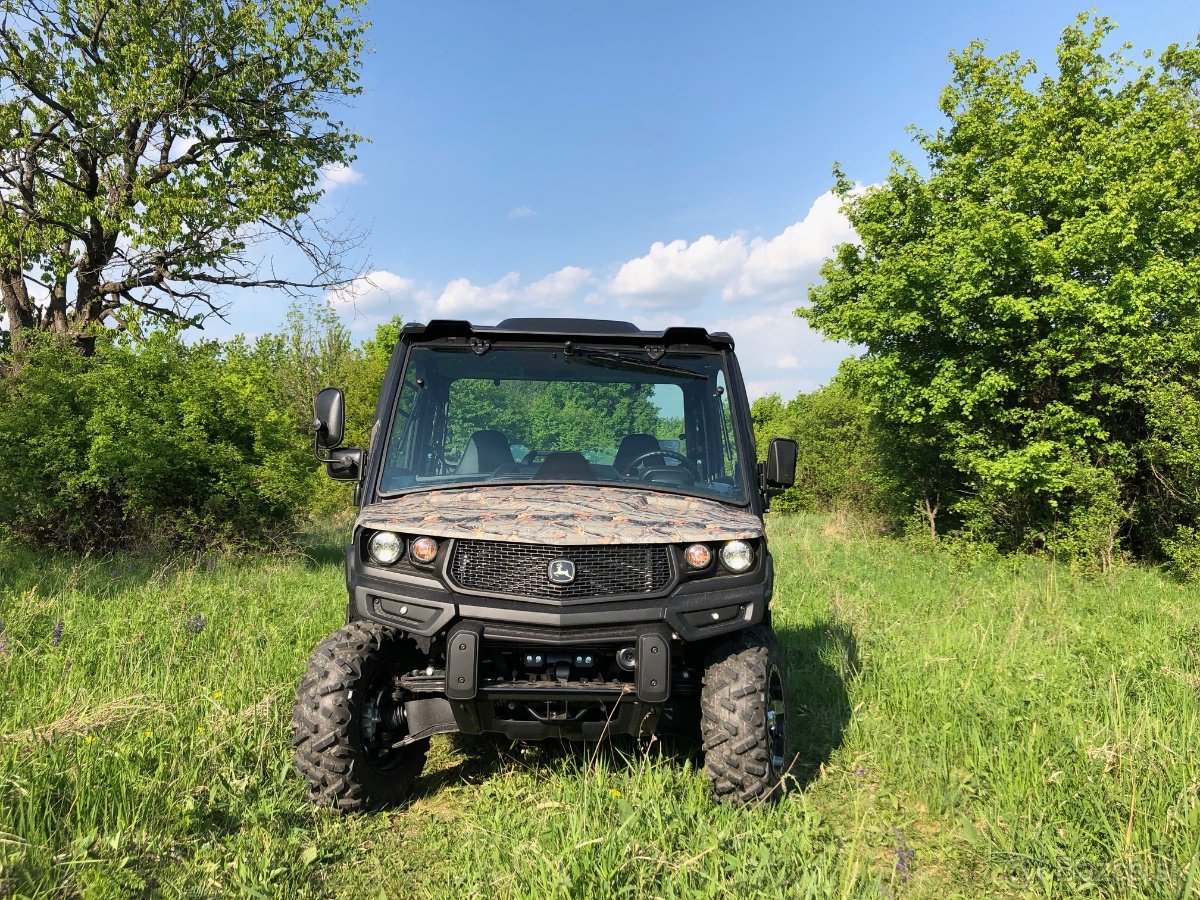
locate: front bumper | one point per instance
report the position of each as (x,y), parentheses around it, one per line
(423,605)
(463,689)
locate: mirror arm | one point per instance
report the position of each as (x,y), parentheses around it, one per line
(315,428)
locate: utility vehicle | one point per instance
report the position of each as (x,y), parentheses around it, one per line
(560,535)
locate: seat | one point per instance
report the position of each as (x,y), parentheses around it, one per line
(486,451)
(567,465)
(633,446)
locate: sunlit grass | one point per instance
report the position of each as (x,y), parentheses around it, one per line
(962,728)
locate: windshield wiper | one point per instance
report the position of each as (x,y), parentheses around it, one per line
(612,360)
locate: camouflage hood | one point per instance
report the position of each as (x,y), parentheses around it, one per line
(564,514)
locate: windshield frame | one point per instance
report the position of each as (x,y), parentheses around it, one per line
(738,413)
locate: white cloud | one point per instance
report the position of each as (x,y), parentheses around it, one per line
(374,297)
(676,273)
(779,353)
(521,212)
(748,288)
(791,260)
(761,270)
(460,297)
(335,175)
(556,291)
(559,287)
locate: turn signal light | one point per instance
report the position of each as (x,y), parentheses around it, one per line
(698,556)
(423,550)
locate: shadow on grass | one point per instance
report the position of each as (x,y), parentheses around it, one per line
(320,555)
(483,756)
(479,757)
(323,543)
(822,658)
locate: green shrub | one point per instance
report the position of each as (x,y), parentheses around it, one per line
(150,441)
(838,462)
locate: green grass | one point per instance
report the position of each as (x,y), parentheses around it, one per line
(1003,728)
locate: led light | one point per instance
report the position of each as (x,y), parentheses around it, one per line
(423,550)
(738,556)
(385,547)
(698,556)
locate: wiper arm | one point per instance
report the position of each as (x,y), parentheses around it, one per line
(620,361)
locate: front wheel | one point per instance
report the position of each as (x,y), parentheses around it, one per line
(349,716)
(744,718)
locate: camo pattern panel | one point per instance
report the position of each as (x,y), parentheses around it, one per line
(564,514)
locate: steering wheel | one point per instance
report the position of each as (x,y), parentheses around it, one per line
(685,463)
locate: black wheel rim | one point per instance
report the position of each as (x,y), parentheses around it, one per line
(776,722)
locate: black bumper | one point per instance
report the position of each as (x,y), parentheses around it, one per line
(466,696)
(424,606)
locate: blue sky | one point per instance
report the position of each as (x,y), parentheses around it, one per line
(652,161)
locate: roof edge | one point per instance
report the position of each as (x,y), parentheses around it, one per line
(568,328)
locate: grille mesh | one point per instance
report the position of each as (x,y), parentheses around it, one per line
(606,570)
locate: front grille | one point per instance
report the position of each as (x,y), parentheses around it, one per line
(522,570)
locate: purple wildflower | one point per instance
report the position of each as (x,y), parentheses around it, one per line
(196,624)
(904,857)
(56,634)
(3,639)
(860,773)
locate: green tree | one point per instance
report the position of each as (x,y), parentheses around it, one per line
(545,415)
(148,149)
(590,416)
(315,350)
(1030,306)
(838,454)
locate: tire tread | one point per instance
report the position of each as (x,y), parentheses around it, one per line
(325,754)
(733,724)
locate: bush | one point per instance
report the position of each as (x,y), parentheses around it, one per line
(150,441)
(838,461)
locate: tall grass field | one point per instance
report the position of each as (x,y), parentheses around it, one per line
(963,727)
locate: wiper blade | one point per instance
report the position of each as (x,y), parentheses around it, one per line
(621,361)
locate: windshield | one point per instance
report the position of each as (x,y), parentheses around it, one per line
(527,414)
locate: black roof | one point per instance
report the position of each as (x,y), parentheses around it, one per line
(574,329)
(569,326)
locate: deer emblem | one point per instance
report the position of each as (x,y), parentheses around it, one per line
(562,571)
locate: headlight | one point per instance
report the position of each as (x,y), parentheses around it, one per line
(698,556)
(385,547)
(423,550)
(737,556)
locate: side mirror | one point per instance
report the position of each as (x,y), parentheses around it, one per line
(345,464)
(779,472)
(329,424)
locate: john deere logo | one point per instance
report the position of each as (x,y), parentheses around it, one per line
(562,571)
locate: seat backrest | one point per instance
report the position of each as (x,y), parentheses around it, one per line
(566,464)
(633,446)
(485,452)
